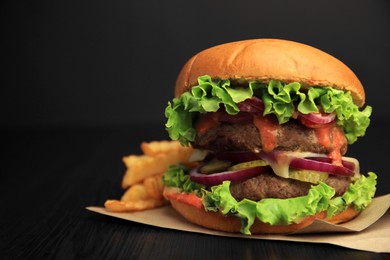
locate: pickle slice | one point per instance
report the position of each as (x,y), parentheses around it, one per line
(308,176)
(214,166)
(249,164)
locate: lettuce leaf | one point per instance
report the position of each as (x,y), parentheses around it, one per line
(178,176)
(275,211)
(287,211)
(207,96)
(280,99)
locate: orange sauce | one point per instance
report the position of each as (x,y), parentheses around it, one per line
(323,136)
(338,140)
(205,122)
(267,127)
(187,198)
(326,135)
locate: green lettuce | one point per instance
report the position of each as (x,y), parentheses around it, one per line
(178,176)
(279,99)
(275,211)
(287,211)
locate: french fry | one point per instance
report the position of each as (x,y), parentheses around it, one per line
(147,166)
(135,192)
(133,159)
(143,168)
(156,147)
(124,206)
(142,179)
(166,147)
(154,187)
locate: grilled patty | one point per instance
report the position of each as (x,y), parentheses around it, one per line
(291,136)
(271,186)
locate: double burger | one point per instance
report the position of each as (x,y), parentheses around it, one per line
(270,121)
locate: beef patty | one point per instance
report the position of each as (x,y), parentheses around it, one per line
(270,185)
(291,136)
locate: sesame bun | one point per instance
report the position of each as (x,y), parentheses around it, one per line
(270,59)
(217,221)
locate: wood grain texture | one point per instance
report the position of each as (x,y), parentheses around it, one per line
(49,176)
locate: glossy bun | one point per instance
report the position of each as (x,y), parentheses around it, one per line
(270,59)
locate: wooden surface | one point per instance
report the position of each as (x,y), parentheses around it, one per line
(50,175)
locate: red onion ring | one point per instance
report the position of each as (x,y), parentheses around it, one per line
(233,176)
(307,164)
(345,163)
(319,118)
(322,164)
(251,105)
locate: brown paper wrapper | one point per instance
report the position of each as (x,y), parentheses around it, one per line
(370,231)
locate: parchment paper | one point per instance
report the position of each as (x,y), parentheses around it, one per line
(370,231)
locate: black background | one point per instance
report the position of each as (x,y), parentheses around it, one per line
(114,63)
(105,62)
(84,82)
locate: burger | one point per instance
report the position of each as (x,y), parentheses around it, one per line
(270,122)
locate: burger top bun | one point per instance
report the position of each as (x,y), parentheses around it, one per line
(270,59)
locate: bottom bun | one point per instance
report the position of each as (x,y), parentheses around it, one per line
(217,221)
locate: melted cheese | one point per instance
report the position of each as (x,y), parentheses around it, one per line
(280,161)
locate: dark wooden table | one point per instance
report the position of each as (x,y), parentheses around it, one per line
(49,176)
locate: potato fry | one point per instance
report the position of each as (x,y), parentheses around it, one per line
(166,147)
(147,166)
(133,159)
(135,192)
(154,187)
(156,147)
(142,178)
(143,168)
(121,206)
